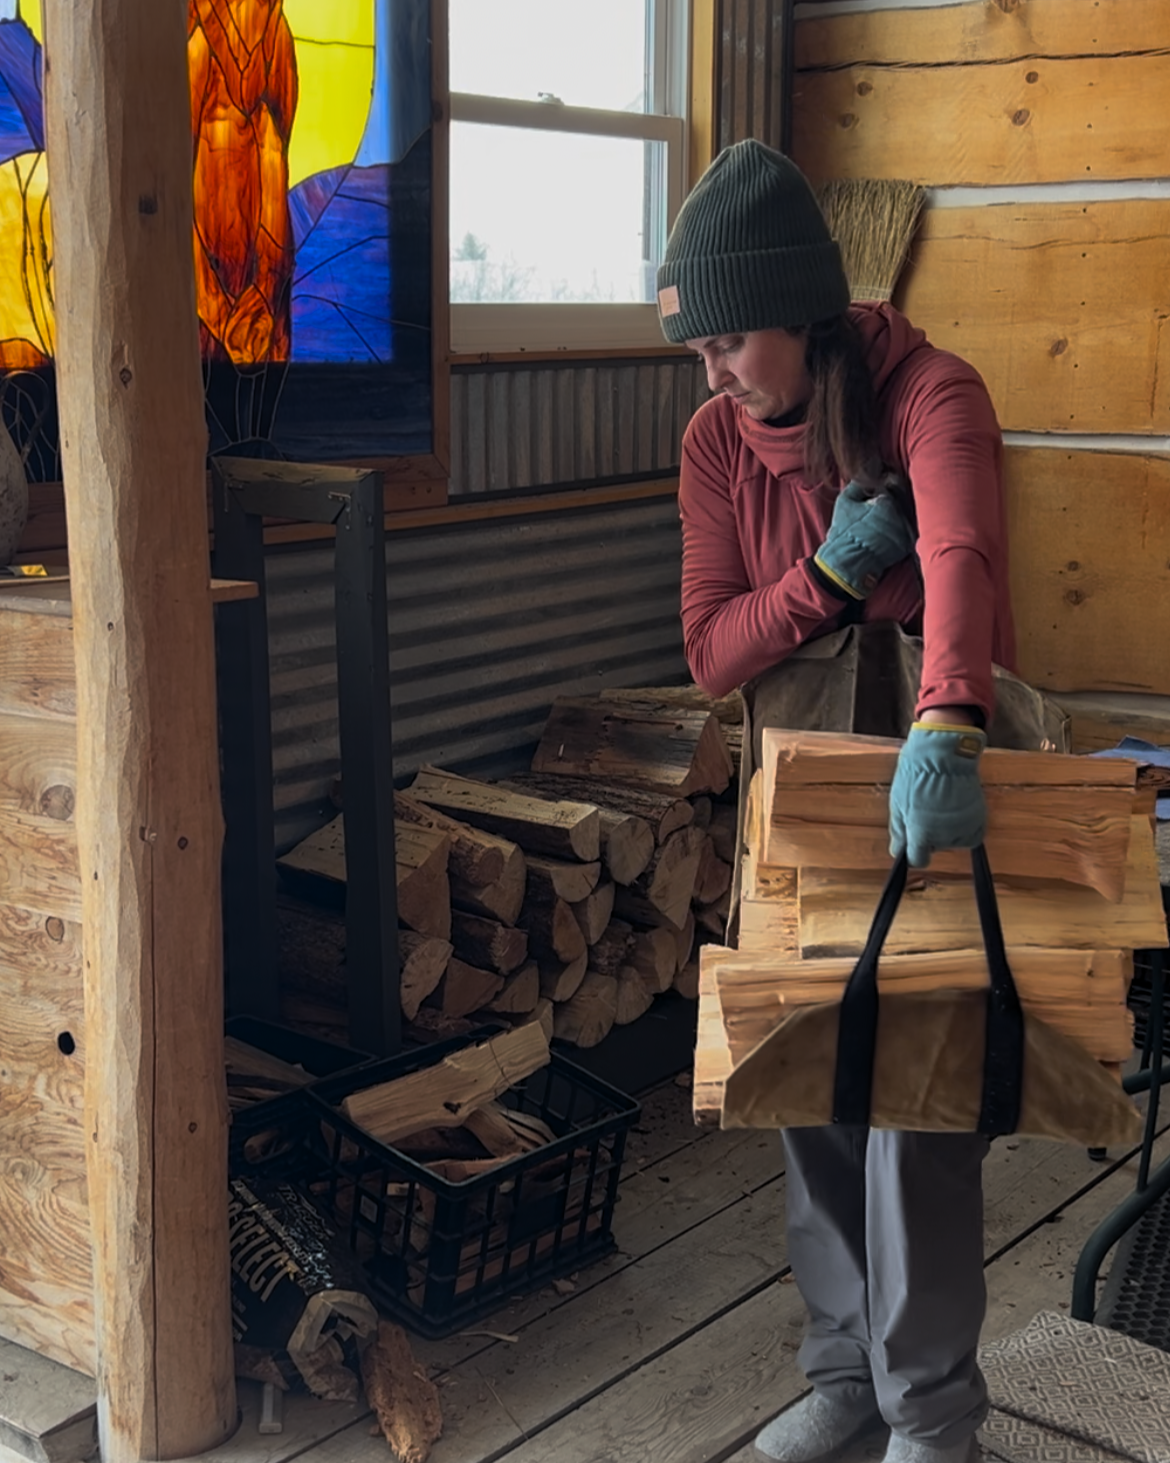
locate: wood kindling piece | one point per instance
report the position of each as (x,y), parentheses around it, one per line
(442,1095)
(663,812)
(680,751)
(563,829)
(1050,816)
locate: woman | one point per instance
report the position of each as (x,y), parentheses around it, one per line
(796,521)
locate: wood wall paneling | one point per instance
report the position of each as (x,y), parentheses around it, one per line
(1060,306)
(968,95)
(1090,535)
(750,71)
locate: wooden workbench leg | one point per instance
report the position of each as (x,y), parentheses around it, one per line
(149,824)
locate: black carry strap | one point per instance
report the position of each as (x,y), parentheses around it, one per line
(1003,1067)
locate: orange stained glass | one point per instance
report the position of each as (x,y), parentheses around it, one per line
(242,60)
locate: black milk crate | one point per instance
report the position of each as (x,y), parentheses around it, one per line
(267,1132)
(440,1253)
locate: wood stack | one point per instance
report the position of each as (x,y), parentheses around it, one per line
(1068,839)
(572,894)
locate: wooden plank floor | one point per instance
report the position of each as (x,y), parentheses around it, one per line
(679,1346)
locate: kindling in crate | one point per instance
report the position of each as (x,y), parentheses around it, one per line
(469,1171)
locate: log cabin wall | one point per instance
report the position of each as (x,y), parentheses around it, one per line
(1040,129)
(46,1279)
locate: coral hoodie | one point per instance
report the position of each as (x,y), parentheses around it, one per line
(752,521)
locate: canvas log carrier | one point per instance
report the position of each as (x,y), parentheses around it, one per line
(938,1061)
(865,679)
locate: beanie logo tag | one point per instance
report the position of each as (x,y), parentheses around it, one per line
(669,302)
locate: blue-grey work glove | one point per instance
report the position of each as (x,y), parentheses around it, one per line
(866,537)
(936,799)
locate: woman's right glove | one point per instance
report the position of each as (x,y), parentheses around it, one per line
(866,537)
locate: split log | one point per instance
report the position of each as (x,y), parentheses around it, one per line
(553,932)
(432,1025)
(501,900)
(769,914)
(713,917)
(424,961)
(712,1054)
(1049,815)
(560,830)
(713,877)
(421,854)
(1078,992)
(728,710)
(443,1094)
(664,813)
(703,809)
(722,831)
(476,856)
(654,955)
(627,838)
(684,940)
(506,1132)
(315,1017)
(465,988)
(669,882)
(613,950)
(835,910)
(560,980)
(593,913)
(403,1398)
(588,1017)
(634,999)
(543,1016)
(557,879)
(682,752)
(487,942)
(686,982)
(520,992)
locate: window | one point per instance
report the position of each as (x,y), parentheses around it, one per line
(568,165)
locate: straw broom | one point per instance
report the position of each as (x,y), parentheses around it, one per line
(873,220)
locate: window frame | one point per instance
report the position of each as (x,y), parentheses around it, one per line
(482,329)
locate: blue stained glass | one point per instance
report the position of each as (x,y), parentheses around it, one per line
(341,283)
(22,116)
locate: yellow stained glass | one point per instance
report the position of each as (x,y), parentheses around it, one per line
(26,316)
(334,101)
(30,13)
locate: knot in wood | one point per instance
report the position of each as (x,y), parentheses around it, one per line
(847,120)
(55,928)
(1058,347)
(1074,596)
(864,88)
(58,802)
(125,375)
(1032,76)
(1020,117)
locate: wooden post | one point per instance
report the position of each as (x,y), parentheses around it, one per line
(148,816)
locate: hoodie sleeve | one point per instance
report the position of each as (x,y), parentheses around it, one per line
(732,632)
(953,452)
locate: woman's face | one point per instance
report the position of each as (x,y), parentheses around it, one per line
(763,370)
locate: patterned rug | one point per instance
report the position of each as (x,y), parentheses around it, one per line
(1067,1392)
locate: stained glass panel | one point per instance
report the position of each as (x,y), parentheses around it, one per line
(310,157)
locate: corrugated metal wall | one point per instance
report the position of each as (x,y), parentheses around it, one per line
(526,425)
(489,620)
(752,64)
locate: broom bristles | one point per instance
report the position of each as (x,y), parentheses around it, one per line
(873,221)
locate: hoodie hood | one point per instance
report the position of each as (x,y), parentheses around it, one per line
(888,339)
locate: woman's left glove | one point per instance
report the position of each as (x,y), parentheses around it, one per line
(936,799)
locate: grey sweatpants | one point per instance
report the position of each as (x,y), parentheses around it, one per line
(885,1237)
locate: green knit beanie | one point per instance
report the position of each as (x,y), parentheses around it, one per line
(750,250)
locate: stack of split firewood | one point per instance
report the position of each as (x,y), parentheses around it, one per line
(573,894)
(1069,843)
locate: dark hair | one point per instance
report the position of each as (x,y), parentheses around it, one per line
(841,441)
